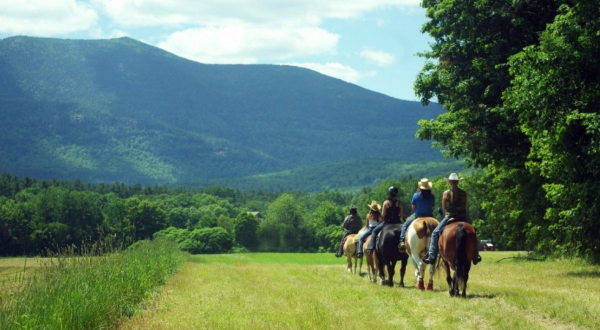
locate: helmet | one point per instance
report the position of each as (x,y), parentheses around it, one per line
(393,191)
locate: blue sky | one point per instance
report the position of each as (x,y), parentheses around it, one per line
(371,43)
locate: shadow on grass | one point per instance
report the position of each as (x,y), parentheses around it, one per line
(594,273)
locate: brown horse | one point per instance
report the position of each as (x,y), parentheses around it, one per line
(350,249)
(371,261)
(458,244)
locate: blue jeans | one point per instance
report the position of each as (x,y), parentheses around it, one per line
(405,226)
(361,239)
(435,237)
(374,234)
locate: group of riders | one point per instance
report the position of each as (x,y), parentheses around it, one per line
(454,206)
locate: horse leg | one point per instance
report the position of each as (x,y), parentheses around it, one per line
(403,264)
(431,271)
(360,266)
(391,267)
(349,262)
(448,277)
(380,270)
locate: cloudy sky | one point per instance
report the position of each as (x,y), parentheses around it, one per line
(371,43)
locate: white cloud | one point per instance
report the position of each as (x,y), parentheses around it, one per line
(247,44)
(224,12)
(381,58)
(335,70)
(45,18)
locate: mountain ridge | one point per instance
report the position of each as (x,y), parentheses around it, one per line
(122,110)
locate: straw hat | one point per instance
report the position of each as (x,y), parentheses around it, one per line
(425,184)
(453,177)
(374,206)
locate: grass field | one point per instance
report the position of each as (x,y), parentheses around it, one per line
(314,291)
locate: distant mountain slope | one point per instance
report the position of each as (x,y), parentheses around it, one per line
(121,110)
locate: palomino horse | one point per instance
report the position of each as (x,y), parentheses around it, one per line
(350,249)
(388,254)
(371,261)
(418,237)
(458,244)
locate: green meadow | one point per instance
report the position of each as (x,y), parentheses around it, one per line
(154,287)
(314,291)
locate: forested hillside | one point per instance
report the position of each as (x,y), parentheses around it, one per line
(121,110)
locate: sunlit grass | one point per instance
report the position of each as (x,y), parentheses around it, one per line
(314,291)
(90,291)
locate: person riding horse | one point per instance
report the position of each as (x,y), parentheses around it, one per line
(392,214)
(374,219)
(422,204)
(352,224)
(455,204)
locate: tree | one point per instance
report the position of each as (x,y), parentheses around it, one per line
(245,229)
(146,217)
(283,228)
(555,95)
(473,43)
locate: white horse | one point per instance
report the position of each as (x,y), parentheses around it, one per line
(418,237)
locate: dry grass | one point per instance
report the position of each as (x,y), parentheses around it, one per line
(14,273)
(314,291)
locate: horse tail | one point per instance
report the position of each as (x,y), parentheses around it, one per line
(461,253)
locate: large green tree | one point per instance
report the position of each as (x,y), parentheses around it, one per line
(520,82)
(555,95)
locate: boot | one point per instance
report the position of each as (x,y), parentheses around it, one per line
(369,252)
(359,254)
(338,254)
(426,259)
(402,247)
(477,259)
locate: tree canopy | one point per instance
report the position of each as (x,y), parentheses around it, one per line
(520,82)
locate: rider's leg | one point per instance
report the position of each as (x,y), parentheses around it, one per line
(433,246)
(341,249)
(403,230)
(374,237)
(361,241)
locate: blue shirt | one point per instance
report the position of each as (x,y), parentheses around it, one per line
(424,207)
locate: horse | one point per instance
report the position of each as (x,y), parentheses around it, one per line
(386,249)
(418,237)
(371,261)
(350,249)
(457,244)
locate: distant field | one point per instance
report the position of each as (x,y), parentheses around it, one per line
(314,291)
(14,271)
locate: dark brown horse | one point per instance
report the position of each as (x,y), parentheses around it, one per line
(458,244)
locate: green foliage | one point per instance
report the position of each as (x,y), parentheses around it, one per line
(245,230)
(521,82)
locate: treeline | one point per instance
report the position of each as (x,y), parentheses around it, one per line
(41,215)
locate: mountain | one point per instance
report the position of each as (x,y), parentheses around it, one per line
(121,110)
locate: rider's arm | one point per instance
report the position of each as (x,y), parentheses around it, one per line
(444,201)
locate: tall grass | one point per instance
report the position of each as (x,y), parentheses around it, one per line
(90,289)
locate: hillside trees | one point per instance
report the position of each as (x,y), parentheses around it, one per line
(520,82)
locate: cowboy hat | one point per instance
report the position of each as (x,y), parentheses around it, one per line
(374,206)
(453,177)
(425,184)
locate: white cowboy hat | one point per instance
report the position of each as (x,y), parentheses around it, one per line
(453,177)
(374,206)
(425,184)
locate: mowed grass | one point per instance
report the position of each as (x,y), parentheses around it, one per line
(314,291)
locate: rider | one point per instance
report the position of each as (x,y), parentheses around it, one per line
(392,214)
(352,224)
(455,203)
(374,218)
(422,205)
